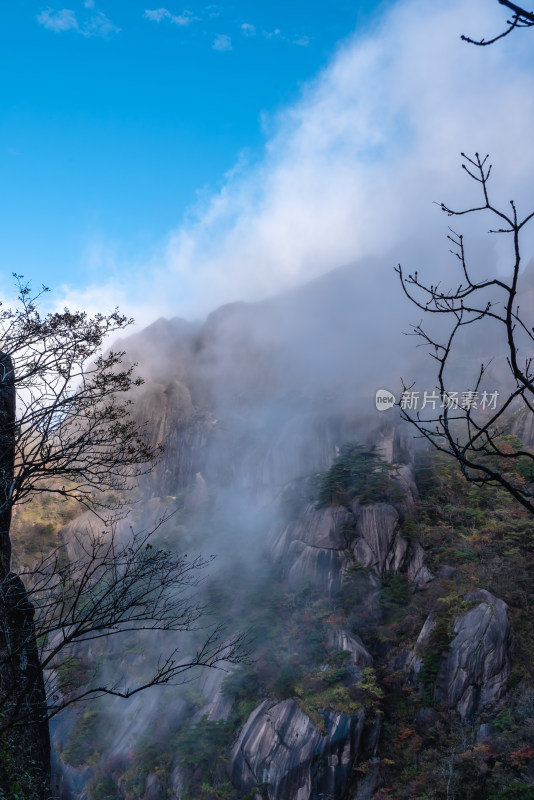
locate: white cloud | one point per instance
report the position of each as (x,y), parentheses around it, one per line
(350,171)
(272,34)
(159,14)
(247,29)
(58,21)
(65,20)
(99,25)
(222,42)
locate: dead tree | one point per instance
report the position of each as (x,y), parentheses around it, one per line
(468,429)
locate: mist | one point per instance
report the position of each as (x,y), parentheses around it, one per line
(352,169)
(282,314)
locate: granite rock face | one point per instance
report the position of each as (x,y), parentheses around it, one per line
(523,427)
(324,528)
(380,545)
(343,640)
(276,749)
(154,789)
(281,751)
(477,665)
(218,706)
(314,547)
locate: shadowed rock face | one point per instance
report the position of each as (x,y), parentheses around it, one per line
(276,747)
(380,545)
(524,427)
(313,547)
(478,661)
(281,750)
(343,640)
(325,528)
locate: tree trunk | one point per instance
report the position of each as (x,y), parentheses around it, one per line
(25,742)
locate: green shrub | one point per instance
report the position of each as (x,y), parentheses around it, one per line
(515,791)
(202,745)
(439,642)
(87,739)
(241,684)
(395,592)
(105,789)
(286,680)
(70,674)
(357,472)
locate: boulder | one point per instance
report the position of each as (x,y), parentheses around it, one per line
(325,528)
(281,751)
(447,572)
(276,749)
(477,665)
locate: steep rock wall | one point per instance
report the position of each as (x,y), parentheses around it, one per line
(281,751)
(477,665)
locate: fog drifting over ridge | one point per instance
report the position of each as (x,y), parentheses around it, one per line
(352,169)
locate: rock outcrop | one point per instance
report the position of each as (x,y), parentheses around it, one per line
(314,547)
(281,751)
(343,640)
(218,706)
(477,664)
(380,545)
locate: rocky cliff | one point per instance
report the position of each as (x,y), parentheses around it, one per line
(331,567)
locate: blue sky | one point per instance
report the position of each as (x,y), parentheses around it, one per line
(170,158)
(115,115)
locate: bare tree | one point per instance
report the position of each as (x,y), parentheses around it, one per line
(120,584)
(472,429)
(67,428)
(521,18)
(71,433)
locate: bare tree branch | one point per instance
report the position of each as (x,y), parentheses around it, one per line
(120,585)
(521,19)
(476,440)
(73,433)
